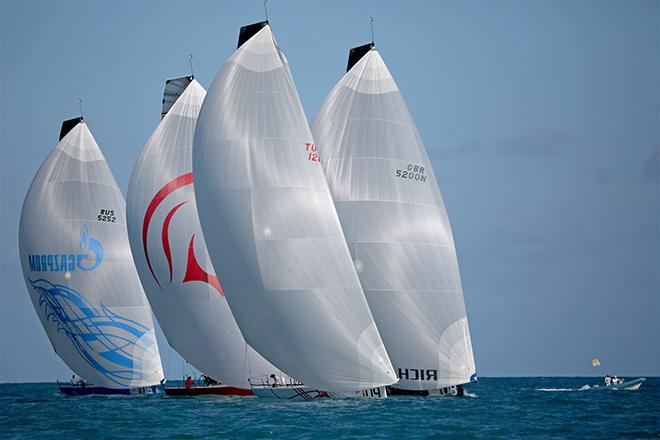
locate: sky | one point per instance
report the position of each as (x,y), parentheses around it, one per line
(541,119)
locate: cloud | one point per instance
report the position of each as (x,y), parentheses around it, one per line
(608,176)
(603,177)
(535,143)
(652,165)
(538,142)
(465,149)
(650,171)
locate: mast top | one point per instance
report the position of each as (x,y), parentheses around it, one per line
(68,125)
(357,53)
(248,31)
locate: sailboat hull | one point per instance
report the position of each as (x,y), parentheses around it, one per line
(452,391)
(77,390)
(213,390)
(297,392)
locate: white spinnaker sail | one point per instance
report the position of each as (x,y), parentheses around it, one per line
(272,230)
(396,225)
(79,270)
(170,253)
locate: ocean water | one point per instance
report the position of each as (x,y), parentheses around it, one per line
(509,408)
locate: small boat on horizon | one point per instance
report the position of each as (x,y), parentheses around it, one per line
(614,382)
(631,385)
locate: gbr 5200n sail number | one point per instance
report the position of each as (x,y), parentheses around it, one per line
(412,172)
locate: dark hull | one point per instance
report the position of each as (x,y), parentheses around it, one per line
(215,390)
(456,391)
(391,391)
(73,390)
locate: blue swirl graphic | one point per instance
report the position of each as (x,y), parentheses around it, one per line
(106,341)
(89,245)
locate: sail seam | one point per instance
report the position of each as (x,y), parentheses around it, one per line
(403,202)
(376,119)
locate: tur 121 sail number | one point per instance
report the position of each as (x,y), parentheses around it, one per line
(312,155)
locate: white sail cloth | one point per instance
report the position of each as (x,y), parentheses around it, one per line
(79,270)
(171,256)
(272,230)
(396,226)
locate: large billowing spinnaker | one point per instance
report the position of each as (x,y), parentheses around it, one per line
(170,253)
(396,225)
(79,270)
(272,230)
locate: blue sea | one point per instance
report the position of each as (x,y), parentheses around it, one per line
(508,408)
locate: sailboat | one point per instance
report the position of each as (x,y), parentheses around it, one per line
(170,253)
(79,271)
(396,226)
(272,230)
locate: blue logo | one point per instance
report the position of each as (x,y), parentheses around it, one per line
(90,258)
(115,346)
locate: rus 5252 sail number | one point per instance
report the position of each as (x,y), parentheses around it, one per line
(107,215)
(412,172)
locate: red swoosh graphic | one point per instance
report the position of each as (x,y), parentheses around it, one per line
(183,180)
(194,271)
(165,234)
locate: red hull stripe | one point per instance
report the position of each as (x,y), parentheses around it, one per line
(200,391)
